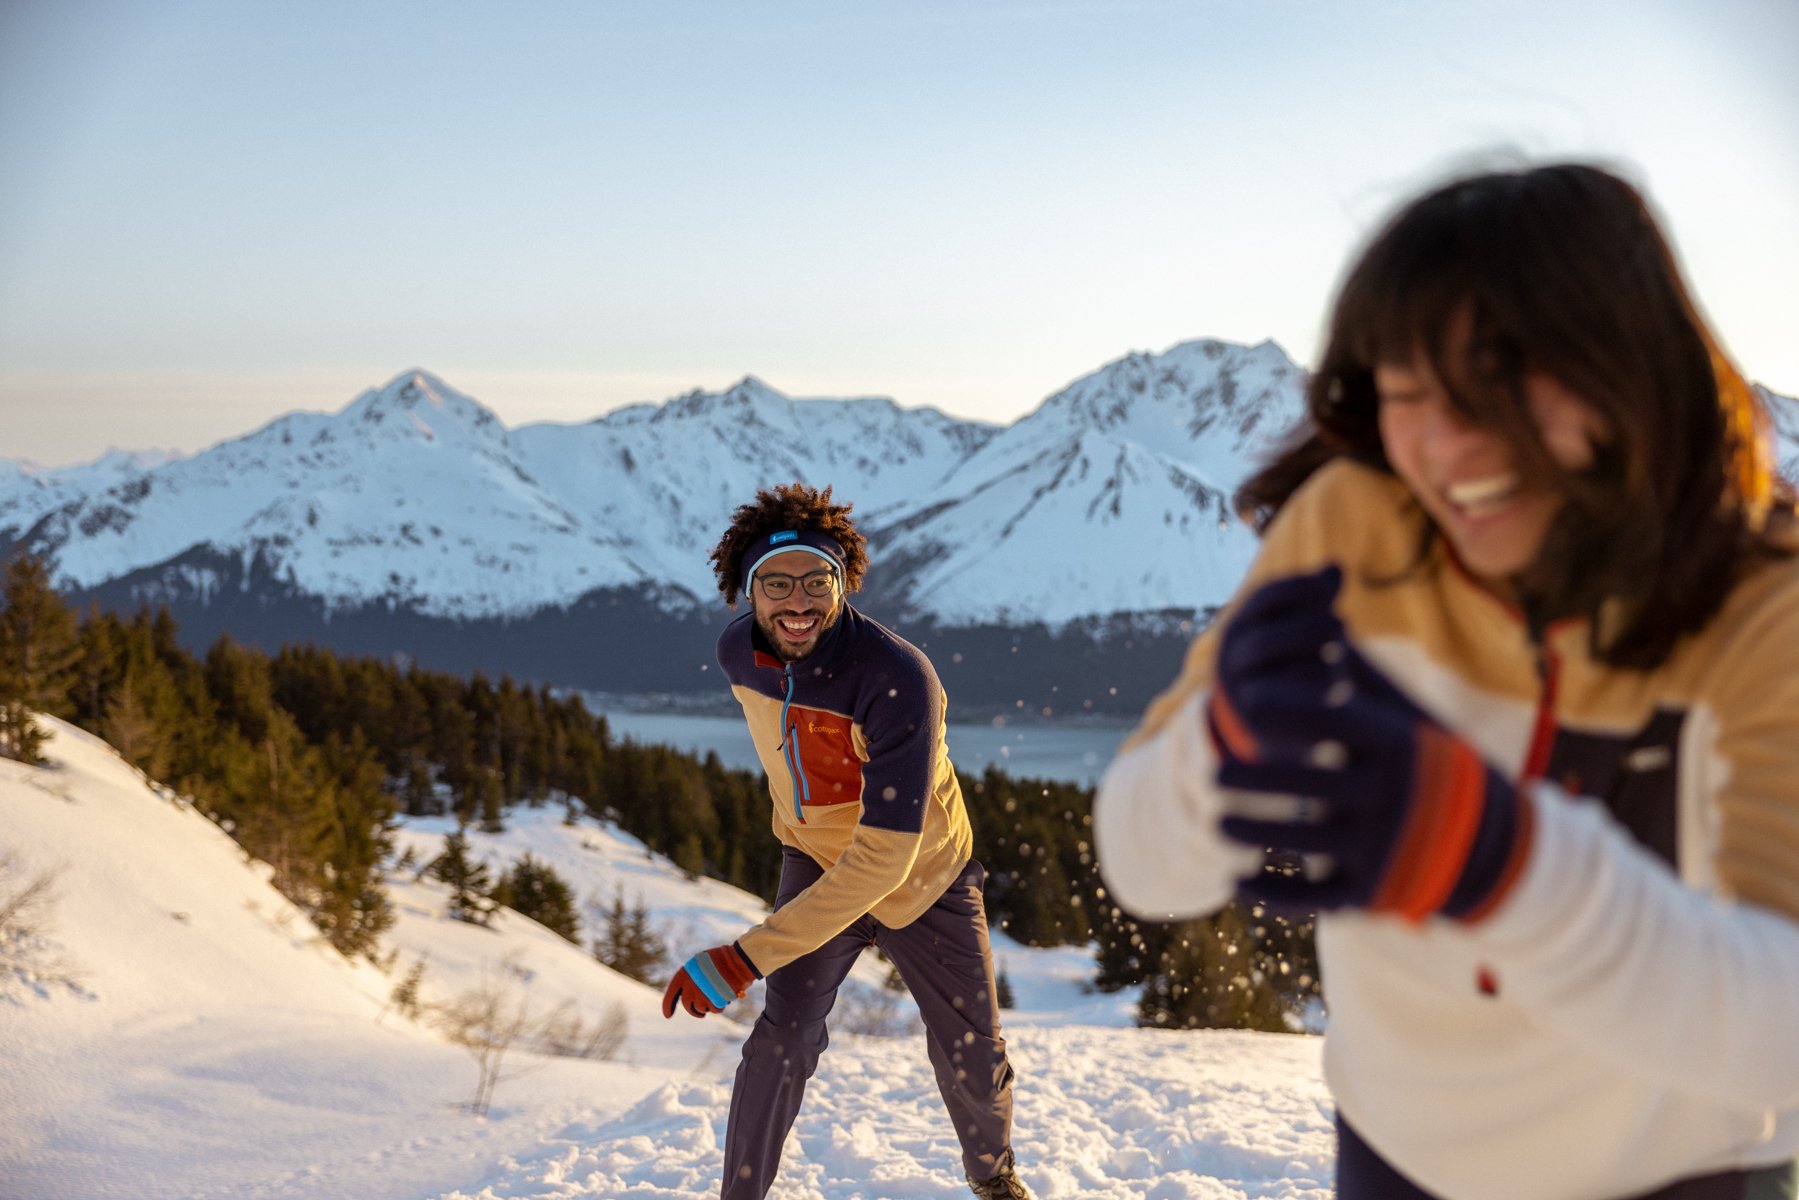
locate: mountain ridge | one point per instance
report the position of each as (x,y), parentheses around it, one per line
(1059,562)
(416,495)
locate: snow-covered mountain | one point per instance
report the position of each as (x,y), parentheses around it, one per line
(1112,497)
(416,497)
(412,496)
(668,476)
(28,491)
(414,521)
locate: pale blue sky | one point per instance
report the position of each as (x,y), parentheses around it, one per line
(213,212)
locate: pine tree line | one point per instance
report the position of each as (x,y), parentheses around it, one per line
(1233,970)
(307,759)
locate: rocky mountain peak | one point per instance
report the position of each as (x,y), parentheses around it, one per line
(418,403)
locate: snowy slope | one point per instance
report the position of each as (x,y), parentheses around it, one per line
(215,1047)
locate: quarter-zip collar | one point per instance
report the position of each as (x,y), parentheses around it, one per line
(1542,638)
(824,655)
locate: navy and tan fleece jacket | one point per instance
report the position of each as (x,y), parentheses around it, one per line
(852,739)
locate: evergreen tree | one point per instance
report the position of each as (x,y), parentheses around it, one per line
(404,996)
(100,664)
(1123,951)
(39,651)
(469,880)
(627,944)
(690,856)
(533,889)
(353,834)
(155,703)
(261,779)
(417,793)
(491,790)
(133,717)
(1209,976)
(408,735)
(1002,988)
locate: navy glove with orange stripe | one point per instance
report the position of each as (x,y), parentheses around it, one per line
(710,980)
(1365,801)
(1287,630)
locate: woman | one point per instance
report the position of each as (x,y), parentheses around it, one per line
(1511,698)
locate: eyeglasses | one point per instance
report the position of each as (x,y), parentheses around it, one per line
(819,584)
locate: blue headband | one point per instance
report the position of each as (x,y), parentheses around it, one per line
(807,541)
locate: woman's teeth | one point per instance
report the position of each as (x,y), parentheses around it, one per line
(1477,495)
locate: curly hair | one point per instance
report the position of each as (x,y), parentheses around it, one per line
(788,506)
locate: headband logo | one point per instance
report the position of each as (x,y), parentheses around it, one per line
(789,535)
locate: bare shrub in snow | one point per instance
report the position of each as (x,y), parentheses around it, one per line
(496,1017)
(29,960)
(564,1033)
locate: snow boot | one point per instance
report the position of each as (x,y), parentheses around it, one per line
(1005,1185)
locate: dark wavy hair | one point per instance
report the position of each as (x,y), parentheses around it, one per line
(787,506)
(1561,270)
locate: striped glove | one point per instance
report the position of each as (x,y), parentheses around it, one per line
(710,980)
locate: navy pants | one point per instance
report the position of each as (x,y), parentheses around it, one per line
(946,963)
(1364,1175)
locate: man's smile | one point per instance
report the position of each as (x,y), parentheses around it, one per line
(797,628)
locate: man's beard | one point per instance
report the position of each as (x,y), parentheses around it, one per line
(784,649)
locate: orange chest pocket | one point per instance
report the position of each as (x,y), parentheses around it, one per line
(826,755)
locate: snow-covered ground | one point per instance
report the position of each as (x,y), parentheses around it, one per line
(185,1032)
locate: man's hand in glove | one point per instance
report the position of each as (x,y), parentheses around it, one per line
(709,981)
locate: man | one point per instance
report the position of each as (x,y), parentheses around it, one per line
(848,721)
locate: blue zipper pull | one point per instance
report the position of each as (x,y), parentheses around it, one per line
(786,703)
(790,752)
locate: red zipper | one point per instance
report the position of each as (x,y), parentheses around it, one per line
(1542,739)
